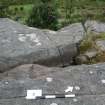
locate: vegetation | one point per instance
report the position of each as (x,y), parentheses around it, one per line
(89,43)
(69,11)
(3,11)
(43,15)
(54,14)
(21,12)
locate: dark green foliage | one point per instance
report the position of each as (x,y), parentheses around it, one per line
(43,15)
(21,8)
(3,11)
(15,9)
(70,11)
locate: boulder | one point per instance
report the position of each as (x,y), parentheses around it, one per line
(95,26)
(86,82)
(20,44)
(73,33)
(91,54)
(86,57)
(81,59)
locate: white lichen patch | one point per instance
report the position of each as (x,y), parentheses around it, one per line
(22,38)
(6,82)
(21,34)
(49,79)
(75,100)
(69,89)
(96,66)
(31,37)
(54,104)
(52,32)
(39,44)
(31,28)
(77,88)
(91,72)
(103,81)
(15,31)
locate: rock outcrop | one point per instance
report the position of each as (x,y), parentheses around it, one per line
(87,83)
(20,44)
(92,48)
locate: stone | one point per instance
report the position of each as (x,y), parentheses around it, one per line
(91,54)
(73,33)
(70,35)
(95,26)
(86,56)
(20,44)
(81,59)
(101,45)
(88,89)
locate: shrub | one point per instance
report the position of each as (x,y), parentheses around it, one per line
(3,11)
(43,15)
(21,8)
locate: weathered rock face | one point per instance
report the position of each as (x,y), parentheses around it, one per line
(25,45)
(95,39)
(74,33)
(28,71)
(101,45)
(95,26)
(88,83)
(20,44)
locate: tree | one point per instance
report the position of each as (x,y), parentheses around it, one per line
(44,15)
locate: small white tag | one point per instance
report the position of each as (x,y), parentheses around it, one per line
(32,94)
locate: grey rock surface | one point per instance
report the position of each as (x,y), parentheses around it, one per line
(29,71)
(95,26)
(101,45)
(88,82)
(20,44)
(86,57)
(81,59)
(91,54)
(74,33)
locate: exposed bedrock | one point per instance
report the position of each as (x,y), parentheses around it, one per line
(20,44)
(86,82)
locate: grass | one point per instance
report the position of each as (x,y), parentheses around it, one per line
(89,43)
(90,9)
(23,14)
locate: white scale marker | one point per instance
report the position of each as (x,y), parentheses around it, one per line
(37,94)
